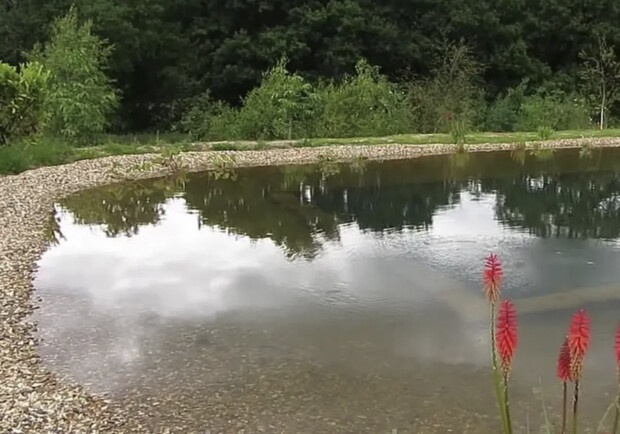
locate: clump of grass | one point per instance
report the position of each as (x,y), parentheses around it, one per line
(458,132)
(13,159)
(115,148)
(226,146)
(544,132)
(27,154)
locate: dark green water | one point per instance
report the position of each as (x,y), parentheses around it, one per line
(335,298)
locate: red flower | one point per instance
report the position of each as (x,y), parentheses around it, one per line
(507,335)
(492,278)
(618,345)
(579,341)
(564,371)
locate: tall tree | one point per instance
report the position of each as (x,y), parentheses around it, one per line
(81,97)
(600,72)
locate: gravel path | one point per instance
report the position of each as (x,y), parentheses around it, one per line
(34,400)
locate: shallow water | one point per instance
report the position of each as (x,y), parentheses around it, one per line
(335,298)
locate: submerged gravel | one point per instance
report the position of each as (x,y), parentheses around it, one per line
(35,400)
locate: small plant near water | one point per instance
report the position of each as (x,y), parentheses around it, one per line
(544,132)
(504,336)
(458,132)
(328,166)
(586,150)
(169,159)
(224,167)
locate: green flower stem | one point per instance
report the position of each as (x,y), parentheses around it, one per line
(564,404)
(575,406)
(496,374)
(617,414)
(507,405)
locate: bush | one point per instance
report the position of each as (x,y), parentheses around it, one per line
(81,96)
(22,95)
(286,106)
(503,114)
(451,94)
(199,119)
(366,104)
(552,111)
(544,109)
(281,106)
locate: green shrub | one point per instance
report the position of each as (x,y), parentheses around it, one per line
(279,108)
(458,131)
(81,96)
(22,95)
(544,132)
(503,114)
(552,111)
(366,104)
(225,125)
(451,94)
(202,121)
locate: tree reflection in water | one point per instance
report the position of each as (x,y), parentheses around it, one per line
(569,193)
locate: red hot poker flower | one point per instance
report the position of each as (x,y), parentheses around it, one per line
(492,278)
(507,336)
(618,346)
(564,370)
(579,341)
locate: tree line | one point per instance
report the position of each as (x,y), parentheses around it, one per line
(165,61)
(267,202)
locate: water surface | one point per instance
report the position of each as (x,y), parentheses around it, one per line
(334,297)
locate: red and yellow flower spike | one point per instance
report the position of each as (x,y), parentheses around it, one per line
(565,375)
(564,369)
(507,336)
(617,413)
(617,348)
(492,278)
(579,342)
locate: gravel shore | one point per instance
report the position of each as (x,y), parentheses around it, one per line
(34,400)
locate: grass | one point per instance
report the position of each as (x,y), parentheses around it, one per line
(45,151)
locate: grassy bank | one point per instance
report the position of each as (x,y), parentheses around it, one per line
(33,153)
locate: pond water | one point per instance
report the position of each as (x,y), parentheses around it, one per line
(335,297)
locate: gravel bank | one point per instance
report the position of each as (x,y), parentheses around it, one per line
(34,400)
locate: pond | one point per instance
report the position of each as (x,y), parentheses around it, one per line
(335,297)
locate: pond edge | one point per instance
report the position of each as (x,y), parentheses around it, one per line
(33,399)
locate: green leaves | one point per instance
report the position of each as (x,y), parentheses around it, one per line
(81,97)
(363,104)
(22,95)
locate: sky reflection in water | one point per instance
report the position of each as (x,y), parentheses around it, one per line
(363,267)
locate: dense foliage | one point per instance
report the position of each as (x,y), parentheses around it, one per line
(167,52)
(22,96)
(80,96)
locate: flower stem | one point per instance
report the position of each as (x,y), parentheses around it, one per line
(564,403)
(575,406)
(617,415)
(496,374)
(507,405)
